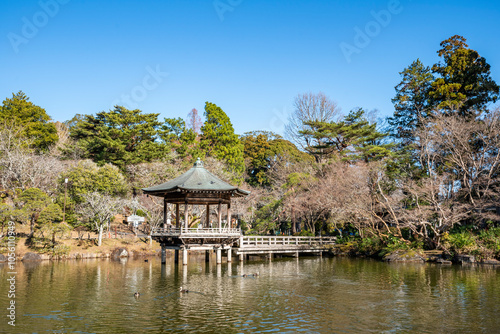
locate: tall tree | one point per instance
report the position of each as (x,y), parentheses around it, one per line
(309,108)
(194,121)
(120,136)
(411,102)
(219,140)
(34,120)
(464,85)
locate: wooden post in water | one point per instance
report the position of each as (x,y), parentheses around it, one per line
(163,255)
(176,256)
(242,257)
(219,255)
(207,256)
(229,255)
(184,256)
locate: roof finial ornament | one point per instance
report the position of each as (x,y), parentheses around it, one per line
(198,163)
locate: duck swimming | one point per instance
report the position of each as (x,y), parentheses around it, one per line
(256,274)
(183,290)
(137,294)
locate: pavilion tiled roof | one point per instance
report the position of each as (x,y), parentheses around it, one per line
(197,179)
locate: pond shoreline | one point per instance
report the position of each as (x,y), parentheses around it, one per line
(138,248)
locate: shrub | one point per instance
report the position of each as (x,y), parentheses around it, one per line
(463,242)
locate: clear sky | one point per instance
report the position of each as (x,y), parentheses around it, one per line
(249,57)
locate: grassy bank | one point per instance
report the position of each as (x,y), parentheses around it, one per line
(75,246)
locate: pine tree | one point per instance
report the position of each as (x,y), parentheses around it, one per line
(37,125)
(120,137)
(352,139)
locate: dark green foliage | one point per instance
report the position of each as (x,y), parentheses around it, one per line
(219,140)
(411,102)
(36,124)
(352,139)
(120,136)
(464,85)
(31,203)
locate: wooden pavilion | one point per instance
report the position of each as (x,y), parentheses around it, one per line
(196,187)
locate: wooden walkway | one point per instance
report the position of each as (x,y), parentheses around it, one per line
(283,244)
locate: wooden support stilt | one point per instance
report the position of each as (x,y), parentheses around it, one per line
(207,256)
(176,256)
(219,256)
(163,255)
(185,256)
(242,257)
(229,255)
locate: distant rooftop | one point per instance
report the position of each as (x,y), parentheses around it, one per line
(197,179)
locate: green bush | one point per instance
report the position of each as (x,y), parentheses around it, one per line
(463,242)
(490,239)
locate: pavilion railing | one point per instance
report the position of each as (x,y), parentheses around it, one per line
(175,231)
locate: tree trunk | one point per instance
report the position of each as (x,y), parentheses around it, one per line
(32,226)
(99,241)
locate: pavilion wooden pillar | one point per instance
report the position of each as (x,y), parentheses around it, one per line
(208,216)
(229,215)
(186,225)
(177,216)
(165,214)
(219,216)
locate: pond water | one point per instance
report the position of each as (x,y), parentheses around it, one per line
(311,295)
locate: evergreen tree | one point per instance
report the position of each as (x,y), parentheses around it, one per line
(464,85)
(36,123)
(120,137)
(352,139)
(219,140)
(32,201)
(411,102)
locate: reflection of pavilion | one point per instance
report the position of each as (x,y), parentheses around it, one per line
(196,187)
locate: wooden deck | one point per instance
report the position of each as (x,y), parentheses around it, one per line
(232,238)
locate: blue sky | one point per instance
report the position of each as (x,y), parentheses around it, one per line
(249,57)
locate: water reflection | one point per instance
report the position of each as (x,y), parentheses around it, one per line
(311,294)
